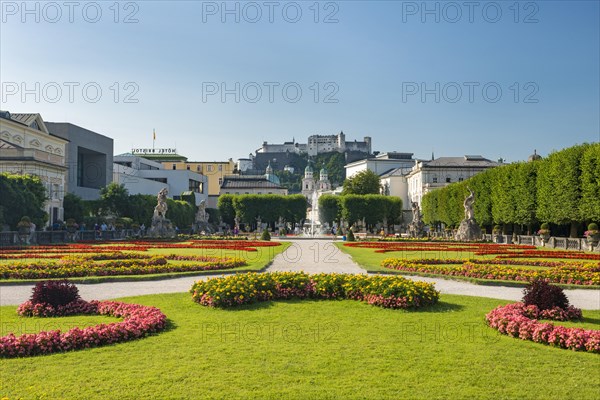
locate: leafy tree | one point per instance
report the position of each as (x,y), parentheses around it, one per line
(590,183)
(353,208)
(559,189)
(329,208)
(115,199)
(22,195)
(74,207)
(225,207)
(364,182)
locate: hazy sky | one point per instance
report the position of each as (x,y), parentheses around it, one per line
(217,79)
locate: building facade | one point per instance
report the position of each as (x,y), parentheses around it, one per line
(381,164)
(28,148)
(426,176)
(253,184)
(89,159)
(318,144)
(214,171)
(142,176)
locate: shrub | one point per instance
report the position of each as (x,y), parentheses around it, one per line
(265,235)
(350,237)
(544,295)
(55,293)
(545,226)
(593,227)
(497,229)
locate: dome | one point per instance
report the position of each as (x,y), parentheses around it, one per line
(308,168)
(535,156)
(323,171)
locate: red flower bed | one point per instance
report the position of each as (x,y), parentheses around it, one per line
(520,321)
(139,321)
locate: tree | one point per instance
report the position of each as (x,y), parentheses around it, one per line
(225,207)
(364,182)
(590,184)
(329,208)
(115,199)
(22,195)
(74,207)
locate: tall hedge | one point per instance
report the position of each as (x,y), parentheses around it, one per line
(562,189)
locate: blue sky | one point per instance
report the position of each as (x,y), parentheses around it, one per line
(375,62)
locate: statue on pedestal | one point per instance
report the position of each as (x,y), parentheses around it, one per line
(201,220)
(468,230)
(161,226)
(416,227)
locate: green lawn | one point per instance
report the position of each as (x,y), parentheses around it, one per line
(256,260)
(310,349)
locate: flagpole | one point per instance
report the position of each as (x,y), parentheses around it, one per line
(153,138)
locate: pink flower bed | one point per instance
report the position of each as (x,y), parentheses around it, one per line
(520,321)
(138,321)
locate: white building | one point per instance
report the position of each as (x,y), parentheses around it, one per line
(382,164)
(253,184)
(426,176)
(318,144)
(143,176)
(28,148)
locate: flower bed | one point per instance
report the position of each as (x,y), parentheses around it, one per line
(138,321)
(565,273)
(383,291)
(520,321)
(481,249)
(83,266)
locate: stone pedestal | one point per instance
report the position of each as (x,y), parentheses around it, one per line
(161,228)
(468,231)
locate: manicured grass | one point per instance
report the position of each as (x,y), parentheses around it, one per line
(371,262)
(256,260)
(311,349)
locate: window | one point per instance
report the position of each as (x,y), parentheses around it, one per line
(434,179)
(259,193)
(209,168)
(448,180)
(199,168)
(460,179)
(220,167)
(220,181)
(187,167)
(195,186)
(174,166)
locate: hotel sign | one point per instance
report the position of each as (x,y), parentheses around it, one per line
(153,151)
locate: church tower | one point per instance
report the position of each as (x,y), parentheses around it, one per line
(324,183)
(308,183)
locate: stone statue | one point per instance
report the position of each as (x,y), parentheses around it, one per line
(201,214)
(161,226)
(416,227)
(161,208)
(468,230)
(468,204)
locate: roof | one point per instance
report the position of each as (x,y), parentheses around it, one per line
(163,157)
(465,161)
(248,181)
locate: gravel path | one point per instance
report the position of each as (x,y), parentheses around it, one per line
(311,256)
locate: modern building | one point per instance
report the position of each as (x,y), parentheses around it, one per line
(142,176)
(27,147)
(214,171)
(426,176)
(89,159)
(253,184)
